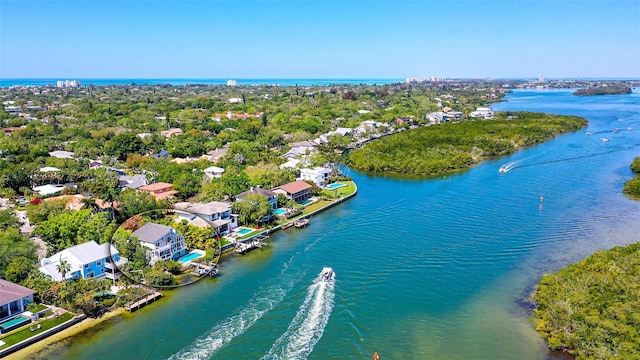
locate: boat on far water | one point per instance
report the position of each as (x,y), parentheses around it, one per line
(604,139)
(503,169)
(327,274)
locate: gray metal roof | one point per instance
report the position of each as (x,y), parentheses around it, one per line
(151,232)
(210,208)
(10,292)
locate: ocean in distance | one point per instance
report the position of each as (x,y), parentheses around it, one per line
(425,268)
(176,82)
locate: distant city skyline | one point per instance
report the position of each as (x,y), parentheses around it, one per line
(319,39)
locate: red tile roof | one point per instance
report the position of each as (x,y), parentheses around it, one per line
(295,187)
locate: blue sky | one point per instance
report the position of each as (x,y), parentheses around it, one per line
(319,39)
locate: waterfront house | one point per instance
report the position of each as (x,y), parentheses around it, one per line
(298,191)
(160,190)
(161,242)
(14,298)
(318,175)
(87,260)
(482,113)
(271,196)
(301,148)
(216,214)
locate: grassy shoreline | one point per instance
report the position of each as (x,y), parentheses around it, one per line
(76,329)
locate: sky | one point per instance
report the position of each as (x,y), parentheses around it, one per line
(357,39)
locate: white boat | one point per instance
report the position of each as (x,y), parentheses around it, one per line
(604,139)
(327,274)
(588,133)
(503,169)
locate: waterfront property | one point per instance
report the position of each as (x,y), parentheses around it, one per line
(335,186)
(194,254)
(216,214)
(298,191)
(162,242)
(86,260)
(319,175)
(14,298)
(270,195)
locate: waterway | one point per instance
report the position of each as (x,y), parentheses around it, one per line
(426,268)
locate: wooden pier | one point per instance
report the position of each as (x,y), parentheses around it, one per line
(202,269)
(142,301)
(254,243)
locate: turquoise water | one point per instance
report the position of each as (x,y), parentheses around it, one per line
(335,186)
(426,269)
(308,201)
(190,256)
(243,231)
(280,211)
(11,322)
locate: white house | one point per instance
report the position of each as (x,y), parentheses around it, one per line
(235,100)
(162,242)
(482,113)
(86,260)
(215,214)
(318,175)
(61,154)
(48,189)
(213,172)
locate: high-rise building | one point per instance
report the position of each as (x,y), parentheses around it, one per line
(231,83)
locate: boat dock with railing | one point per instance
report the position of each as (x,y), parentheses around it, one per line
(255,242)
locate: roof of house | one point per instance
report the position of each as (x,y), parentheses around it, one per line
(49,169)
(61,154)
(77,256)
(210,208)
(48,189)
(151,232)
(294,187)
(156,186)
(261,191)
(218,152)
(10,292)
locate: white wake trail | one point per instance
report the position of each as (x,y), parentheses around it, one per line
(307,327)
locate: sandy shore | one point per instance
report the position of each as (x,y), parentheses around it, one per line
(73,330)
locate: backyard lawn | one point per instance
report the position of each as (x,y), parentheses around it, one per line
(24,333)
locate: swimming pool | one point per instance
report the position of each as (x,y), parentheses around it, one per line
(14,323)
(243,231)
(191,256)
(308,201)
(280,211)
(335,186)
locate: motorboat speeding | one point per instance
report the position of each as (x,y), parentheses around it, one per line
(327,274)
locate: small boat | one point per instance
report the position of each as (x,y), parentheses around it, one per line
(327,274)
(604,139)
(588,133)
(629,128)
(503,169)
(301,222)
(616,130)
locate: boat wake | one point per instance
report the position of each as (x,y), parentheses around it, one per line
(509,166)
(307,327)
(205,346)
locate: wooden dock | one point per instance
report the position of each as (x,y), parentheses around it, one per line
(142,301)
(202,269)
(254,243)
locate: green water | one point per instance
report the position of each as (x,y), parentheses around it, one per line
(424,269)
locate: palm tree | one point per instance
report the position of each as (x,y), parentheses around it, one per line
(63,268)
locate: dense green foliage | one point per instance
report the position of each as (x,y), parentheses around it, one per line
(610,89)
(592,308)
(449,147)
(632,186)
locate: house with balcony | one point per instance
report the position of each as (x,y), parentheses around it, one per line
(215,214)
(298,191)
(318,175)
(161,242)
(13,299)
(87,260)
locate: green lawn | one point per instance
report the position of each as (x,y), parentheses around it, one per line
(35,308)
(24,333)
